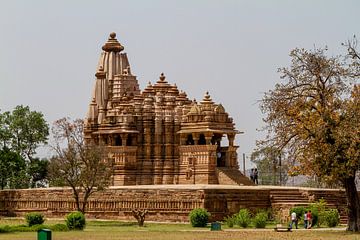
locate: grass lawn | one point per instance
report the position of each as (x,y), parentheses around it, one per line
(106,230)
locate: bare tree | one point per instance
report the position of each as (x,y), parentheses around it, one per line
(84,167)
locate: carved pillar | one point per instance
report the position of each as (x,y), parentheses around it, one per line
(208,137)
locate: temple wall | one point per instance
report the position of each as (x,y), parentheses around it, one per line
(164,202)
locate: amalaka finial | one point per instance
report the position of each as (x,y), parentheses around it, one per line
(113,35)
(112,45)
(162,76)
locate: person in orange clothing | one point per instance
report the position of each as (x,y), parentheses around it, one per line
(309,218)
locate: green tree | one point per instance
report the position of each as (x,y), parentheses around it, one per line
(21,132)
(84,167)
(24,131)
(270,165)
(313,117)
(12,169)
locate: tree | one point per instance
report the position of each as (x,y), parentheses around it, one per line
(270,165)
(12,169)
(314,119)
(21,132)
(84,167)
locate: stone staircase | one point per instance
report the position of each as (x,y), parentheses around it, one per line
(232,176)
(290,197)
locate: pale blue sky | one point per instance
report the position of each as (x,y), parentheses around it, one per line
(49,49)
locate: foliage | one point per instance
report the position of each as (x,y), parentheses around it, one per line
(21,132)
(270,168)
(34,218)
(260,219)
(300,211)
(75,221)
(34,228)
(84,167)
(38,172)
(318,212)
(312,117)
(230,221)
(243,218)
(199,217)
(332,217)
(12,169)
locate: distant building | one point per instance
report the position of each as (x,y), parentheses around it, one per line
(158,135)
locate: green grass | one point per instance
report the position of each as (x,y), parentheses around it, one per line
(111,230)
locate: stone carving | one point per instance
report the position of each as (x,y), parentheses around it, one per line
(152,133)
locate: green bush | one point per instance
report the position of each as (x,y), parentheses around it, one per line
(315,216)
(5,229)
(299,212)
(34,219)
(332,217)
(59,227)
(242,218)
(230,221)
(199,217)
(260,219)
(75,221)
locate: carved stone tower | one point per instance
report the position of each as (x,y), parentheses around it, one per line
(158,136)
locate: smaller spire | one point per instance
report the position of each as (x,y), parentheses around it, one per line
(112,45)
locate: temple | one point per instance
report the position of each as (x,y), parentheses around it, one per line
(158,135)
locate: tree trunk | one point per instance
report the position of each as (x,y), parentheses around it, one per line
(353,204)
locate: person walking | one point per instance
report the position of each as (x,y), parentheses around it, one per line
(256,176)
(252,175)
(309,218)
(294,220)
(305,220)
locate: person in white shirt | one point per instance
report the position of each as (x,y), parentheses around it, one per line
(294,220)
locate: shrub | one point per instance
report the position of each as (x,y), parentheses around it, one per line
(230,221)
(34,218)
(299,212)
(199,217)
(59,227)
(243,218)
(260,220)
(332,217)
(5,229)
(75,221)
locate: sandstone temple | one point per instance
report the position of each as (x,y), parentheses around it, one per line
(158,135)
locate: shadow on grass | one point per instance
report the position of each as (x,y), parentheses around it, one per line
(111,224)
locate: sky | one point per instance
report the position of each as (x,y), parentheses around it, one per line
(49,49)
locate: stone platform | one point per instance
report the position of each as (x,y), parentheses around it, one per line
(171,203)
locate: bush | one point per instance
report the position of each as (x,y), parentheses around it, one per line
(75,221)
(34,219)
(260,220)
(5,229)
(59,227)
(230,221)
(243,218)
(332,217)
(199,217)
(299,212)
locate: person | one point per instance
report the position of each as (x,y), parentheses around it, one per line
(256,176)
(252,175)
(294,220)
(305,220)
(309,218)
